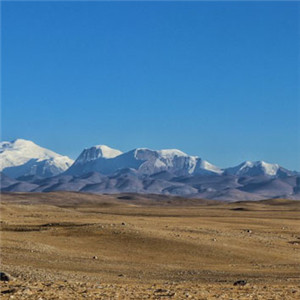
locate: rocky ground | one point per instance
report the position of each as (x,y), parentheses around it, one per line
(83,290)
(76,246)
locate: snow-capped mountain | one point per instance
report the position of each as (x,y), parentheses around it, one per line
(97,152)
(22,157)
(27,167)
(258,168)
(145,161)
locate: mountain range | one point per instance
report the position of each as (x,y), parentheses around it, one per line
(27,167)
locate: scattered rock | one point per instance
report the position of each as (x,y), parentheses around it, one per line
(121,275)
(126,197)
(160,291)
(4,277)
(95,257)
(240,282)
(239,209)
(123,223)
(249,230)
(294,242)
(27,291)
(8,291)
(214,240)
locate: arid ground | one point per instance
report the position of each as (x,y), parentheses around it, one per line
(81,246)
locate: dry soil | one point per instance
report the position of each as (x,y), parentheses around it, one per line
(81,246)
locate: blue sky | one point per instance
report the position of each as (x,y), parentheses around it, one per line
(219,80)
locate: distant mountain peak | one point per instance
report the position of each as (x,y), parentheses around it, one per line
(17,143)
(108,152)
(97,151)
(22,141)
(23,157)
(255,168)
(171,152)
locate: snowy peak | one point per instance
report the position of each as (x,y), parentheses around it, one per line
(145,153)
(269,169)
(22,157)
(26,149)
(171,153)
(256,168)
(108,152)
(96,152)
(18,143)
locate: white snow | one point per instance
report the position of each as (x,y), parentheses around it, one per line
(95,152)
(108,152)
(255,168)
(28,158)
(171,153)
(146,161)
(210,167)
(20,152)
(270,169)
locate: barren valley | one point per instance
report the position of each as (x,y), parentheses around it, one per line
(67,245)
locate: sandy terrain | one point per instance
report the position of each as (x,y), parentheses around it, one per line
(76,246)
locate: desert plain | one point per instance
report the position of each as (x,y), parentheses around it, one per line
(67,245)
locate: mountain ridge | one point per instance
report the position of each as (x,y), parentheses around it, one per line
(101,169)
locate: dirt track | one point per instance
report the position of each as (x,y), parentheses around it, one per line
(75,246)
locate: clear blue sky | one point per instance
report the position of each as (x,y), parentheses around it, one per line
(219,80)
